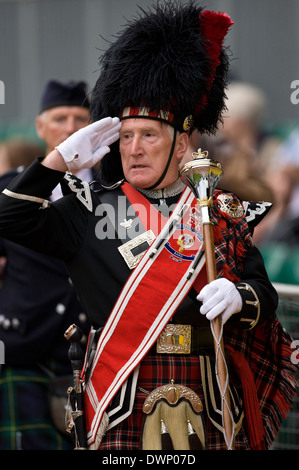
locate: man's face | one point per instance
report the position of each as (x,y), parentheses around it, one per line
(57,124)
(145,146)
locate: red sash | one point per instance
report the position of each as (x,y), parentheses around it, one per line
(147,302)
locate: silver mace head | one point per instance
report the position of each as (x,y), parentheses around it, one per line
(201,175)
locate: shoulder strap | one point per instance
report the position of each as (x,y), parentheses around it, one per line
(255,212)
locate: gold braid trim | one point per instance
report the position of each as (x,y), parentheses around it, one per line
(255,303)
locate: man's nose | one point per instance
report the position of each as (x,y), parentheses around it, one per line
(71,126)
(136,148)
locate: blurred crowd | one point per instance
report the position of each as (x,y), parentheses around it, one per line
(259,164)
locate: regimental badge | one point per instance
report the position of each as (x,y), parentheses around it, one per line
(185,241)
(230,204)
(188,123)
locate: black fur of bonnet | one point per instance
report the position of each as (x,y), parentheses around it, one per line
(161,60)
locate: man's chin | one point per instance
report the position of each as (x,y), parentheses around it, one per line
(140,182)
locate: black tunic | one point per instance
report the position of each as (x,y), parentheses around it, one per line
(68,229)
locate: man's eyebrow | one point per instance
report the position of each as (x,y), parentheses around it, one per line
(144,129)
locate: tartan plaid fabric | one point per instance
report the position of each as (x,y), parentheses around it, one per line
(268,352)
(267,348)
(157,370)
(25,421)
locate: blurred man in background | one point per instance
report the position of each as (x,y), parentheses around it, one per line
(37,304)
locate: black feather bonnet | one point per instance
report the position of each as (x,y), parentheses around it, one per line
(168,64)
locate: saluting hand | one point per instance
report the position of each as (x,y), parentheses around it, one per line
(86,147)
(220,297)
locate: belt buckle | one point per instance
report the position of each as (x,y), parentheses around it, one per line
(127,249)
(175,339)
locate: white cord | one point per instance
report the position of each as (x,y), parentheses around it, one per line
(223,393)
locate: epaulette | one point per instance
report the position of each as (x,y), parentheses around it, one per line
(255,212)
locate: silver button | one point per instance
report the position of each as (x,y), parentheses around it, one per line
(60,309)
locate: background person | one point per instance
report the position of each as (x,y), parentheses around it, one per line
(38,303)
(240,144)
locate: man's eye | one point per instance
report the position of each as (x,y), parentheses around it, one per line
(125,136)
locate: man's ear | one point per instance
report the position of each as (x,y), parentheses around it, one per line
(182,145)
(39,125)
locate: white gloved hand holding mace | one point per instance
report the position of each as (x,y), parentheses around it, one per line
(220,297)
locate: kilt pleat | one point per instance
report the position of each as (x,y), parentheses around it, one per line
(157,370)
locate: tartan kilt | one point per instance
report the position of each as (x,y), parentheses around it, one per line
(25,418)
(157,370)
(268,350)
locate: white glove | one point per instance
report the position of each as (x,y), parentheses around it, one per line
(220,297)
(86,147)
